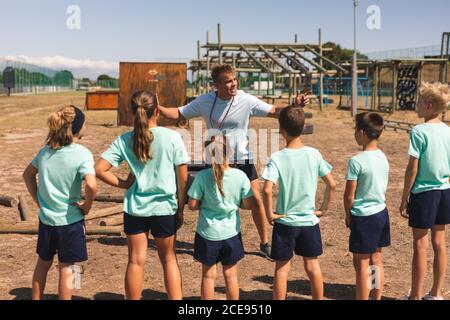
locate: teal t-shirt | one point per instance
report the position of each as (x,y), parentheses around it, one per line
(61,172)
(371,171)
(154,193)
(219,216)
(430,143)
(297,172)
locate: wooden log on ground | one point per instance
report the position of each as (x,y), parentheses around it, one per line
(114,221)
(7,201)
(107,198)
(24,211)
(90,230)
(106,212)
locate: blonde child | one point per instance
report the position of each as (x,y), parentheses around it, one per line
(426,193)
(61,165)
(155,197)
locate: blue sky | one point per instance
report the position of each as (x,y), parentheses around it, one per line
(143,30)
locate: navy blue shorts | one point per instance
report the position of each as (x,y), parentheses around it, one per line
(429,208)
(159,226)
(68,241)
(367,234)
(228,252)
(304,241)
(248,168)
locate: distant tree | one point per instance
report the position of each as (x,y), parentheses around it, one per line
(339,54)
(104,77)
(63,78)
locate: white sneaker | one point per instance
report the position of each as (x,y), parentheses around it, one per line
(428,296)
(406,296)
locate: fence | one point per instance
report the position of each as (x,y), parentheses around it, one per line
(419,52)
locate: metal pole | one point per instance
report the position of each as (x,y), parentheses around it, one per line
(355,65)
(321,73)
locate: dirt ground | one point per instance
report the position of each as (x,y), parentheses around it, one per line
(22,134)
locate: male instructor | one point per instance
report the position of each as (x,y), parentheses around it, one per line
(229,110)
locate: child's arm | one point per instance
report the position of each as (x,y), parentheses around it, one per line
(29,176)
(267,198)
(194,204)
(102,171)
(247,203)
(182,178)
(410,178)
(349,199)
(329,194)
(90,188)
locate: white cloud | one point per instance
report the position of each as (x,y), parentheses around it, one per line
(80,67)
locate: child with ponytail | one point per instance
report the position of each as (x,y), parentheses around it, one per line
(219,192)
(61,165)
(155,197)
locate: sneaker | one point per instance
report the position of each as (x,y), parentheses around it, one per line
(428,296)
(265,250)
(406,296)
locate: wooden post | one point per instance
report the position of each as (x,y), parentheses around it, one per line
(259,84)
(378,86)
(374,87)
(34,229)
(24,211)
(107,198)
(106,212)
(7,201)
(290,88)
(321,73)
(394,89)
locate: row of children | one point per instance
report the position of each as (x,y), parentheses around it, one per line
(155,197)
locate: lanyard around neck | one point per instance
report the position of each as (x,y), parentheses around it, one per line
(219,127)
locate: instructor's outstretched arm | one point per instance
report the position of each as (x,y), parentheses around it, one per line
(170,113)
(301,101)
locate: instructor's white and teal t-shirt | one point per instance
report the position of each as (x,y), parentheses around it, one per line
(430,143)
(371,171)
(219,216)
(237,113)
(297,172)
(61,172)
(154,193)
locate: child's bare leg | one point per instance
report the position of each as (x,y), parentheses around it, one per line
(66,278)
(134,276)
(40,278)
(209,274)
(312,268)
(231,281)
(172,275)
(280,279)
(361,263)
(440,259)
(259,213)
(377,260)
(419,263)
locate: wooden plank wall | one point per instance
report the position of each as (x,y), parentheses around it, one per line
(168,80)
(107,100)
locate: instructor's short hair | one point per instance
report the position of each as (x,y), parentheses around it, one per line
(220,69)
(371,123)
(292,120)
